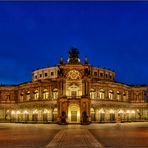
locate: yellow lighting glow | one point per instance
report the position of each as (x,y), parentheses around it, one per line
(101,111)
(45,111)
(78,114)
(12,112)
(127,111)
(121,112)
(35,112)
(112,112)
(69,114)
(18,112)
(25,112)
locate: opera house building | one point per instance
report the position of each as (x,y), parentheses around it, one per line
(73,92)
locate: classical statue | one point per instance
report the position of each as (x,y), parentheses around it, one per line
(73,56)
(74,53)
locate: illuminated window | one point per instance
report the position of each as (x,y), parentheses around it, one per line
(35,115)
(55,93)
(28,96)
(110,95)
(45,94)
(21,97)
(124,97)
(92,94)
(45,115)
(112,116)
(118,96)
(73,93)
(26,115)
(102,115)
(101,94)
(36,95)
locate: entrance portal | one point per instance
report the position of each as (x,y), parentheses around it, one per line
(74,113)
(74,116)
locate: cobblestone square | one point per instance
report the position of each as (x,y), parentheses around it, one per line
(74,136)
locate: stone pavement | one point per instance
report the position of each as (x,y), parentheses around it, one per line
(127,135)
(74,138)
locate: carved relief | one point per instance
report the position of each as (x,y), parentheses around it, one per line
(74,75)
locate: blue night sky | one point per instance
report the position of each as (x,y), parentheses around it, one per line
(113,35)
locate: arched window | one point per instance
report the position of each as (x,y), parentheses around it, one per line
(45,94)
(124,97)
(45,115)
(74,91)
(118,96)
(92,93)
(112,115)
(55,93)
(26,115)
(36,95)
(101,115)
(137,96)
(35,115)
(110,94)
(28,96)
(21,97)
(101,94)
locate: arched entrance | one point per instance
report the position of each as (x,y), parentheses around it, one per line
(74,113)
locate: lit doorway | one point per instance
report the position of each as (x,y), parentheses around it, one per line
(73,116)
(74,113)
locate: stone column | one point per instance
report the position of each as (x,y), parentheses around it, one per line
(115,95)
(83,88)
(106,93)
(97,115)
(64,88)
(50,115)
(40,116)
(40,93)
(30,116)
(31,94)
(50,92)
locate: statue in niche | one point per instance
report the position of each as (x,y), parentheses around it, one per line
(64,106)
(85,120)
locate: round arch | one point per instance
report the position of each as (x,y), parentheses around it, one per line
(74,113)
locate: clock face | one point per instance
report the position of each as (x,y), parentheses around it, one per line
(74,74)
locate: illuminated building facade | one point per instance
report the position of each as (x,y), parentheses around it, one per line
(73,90)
